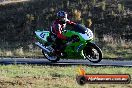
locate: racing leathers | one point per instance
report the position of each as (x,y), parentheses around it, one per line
(56,31)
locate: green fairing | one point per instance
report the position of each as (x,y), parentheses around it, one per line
(74,49)
(80,45)
(71,33)
(38,38)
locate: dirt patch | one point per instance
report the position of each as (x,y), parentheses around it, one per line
(32,82)
(51,82)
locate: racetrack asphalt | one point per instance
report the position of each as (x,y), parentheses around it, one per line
(43,61)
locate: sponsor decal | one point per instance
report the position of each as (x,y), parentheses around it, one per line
(84,78)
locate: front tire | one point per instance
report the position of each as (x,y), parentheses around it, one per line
(93,53)
(50,57)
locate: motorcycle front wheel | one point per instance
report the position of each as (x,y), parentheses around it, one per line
(93,53)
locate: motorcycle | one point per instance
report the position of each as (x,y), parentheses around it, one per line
(80,46)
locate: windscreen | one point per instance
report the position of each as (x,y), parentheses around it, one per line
(80,28)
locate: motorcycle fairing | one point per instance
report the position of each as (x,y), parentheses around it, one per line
(73,49)
(42,35)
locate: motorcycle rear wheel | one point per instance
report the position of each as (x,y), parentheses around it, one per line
(50,57)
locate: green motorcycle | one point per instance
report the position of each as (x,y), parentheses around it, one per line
(80,46)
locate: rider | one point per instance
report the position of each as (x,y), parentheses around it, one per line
(57,28)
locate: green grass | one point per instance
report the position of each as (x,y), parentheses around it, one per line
(29,70)
(117,52)
(56,71)
(33,76)
(116,48)
(21,53)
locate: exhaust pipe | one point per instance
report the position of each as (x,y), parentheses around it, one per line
(42,47)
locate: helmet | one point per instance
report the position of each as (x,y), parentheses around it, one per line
(62,16)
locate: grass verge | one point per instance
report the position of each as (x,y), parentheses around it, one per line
(33,76)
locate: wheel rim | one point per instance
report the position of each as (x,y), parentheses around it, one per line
(93,56)
(50,57)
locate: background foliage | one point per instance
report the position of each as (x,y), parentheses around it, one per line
(111,20)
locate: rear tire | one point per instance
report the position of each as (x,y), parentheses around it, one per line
(51,58)
(93,53)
